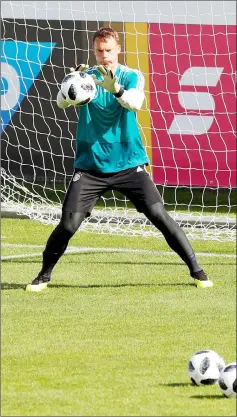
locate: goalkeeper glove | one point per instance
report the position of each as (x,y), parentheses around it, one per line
(109,81)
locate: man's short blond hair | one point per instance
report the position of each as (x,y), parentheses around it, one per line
(105,33)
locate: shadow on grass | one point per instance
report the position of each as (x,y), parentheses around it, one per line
(189,384)
(177,384)
(12,286)
(204,397)
(8,286)
(152,263)
(34,260)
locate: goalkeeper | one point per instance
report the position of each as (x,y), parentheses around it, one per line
(110,156)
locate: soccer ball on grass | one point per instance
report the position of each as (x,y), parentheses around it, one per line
(78,88)
(204,367)
(227,381)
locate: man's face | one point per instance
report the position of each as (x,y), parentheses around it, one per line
(106,51)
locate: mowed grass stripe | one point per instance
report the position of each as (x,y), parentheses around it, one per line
(113,334)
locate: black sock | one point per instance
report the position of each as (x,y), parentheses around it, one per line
(49,261)
(194,266)
(59,239)
(174,235)
(179,243)
(55,248)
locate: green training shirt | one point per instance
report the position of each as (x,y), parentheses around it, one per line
(107,136)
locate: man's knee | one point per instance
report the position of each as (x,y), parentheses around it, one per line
(71,221)
(157,212)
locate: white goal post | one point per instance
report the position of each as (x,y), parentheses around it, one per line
(187,53)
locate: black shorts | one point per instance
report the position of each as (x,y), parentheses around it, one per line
(86,188)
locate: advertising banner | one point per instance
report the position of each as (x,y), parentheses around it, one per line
(193,104)
(188,121)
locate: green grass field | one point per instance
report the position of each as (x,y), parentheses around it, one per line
(113,333)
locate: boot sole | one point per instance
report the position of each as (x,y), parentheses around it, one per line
(203,284)
(36,288)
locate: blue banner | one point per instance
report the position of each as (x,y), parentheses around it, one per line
(21,62)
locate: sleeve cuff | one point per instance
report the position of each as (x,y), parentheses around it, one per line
(120,93)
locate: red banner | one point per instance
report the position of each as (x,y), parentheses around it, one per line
(193,104)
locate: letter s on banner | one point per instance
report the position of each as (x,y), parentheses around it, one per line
(196,124)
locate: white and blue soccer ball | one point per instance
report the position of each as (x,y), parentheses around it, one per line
(78,88)
(204,367)
(227,381)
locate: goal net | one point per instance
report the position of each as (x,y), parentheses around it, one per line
(187,53)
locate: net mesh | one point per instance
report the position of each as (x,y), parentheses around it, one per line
(187,122)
